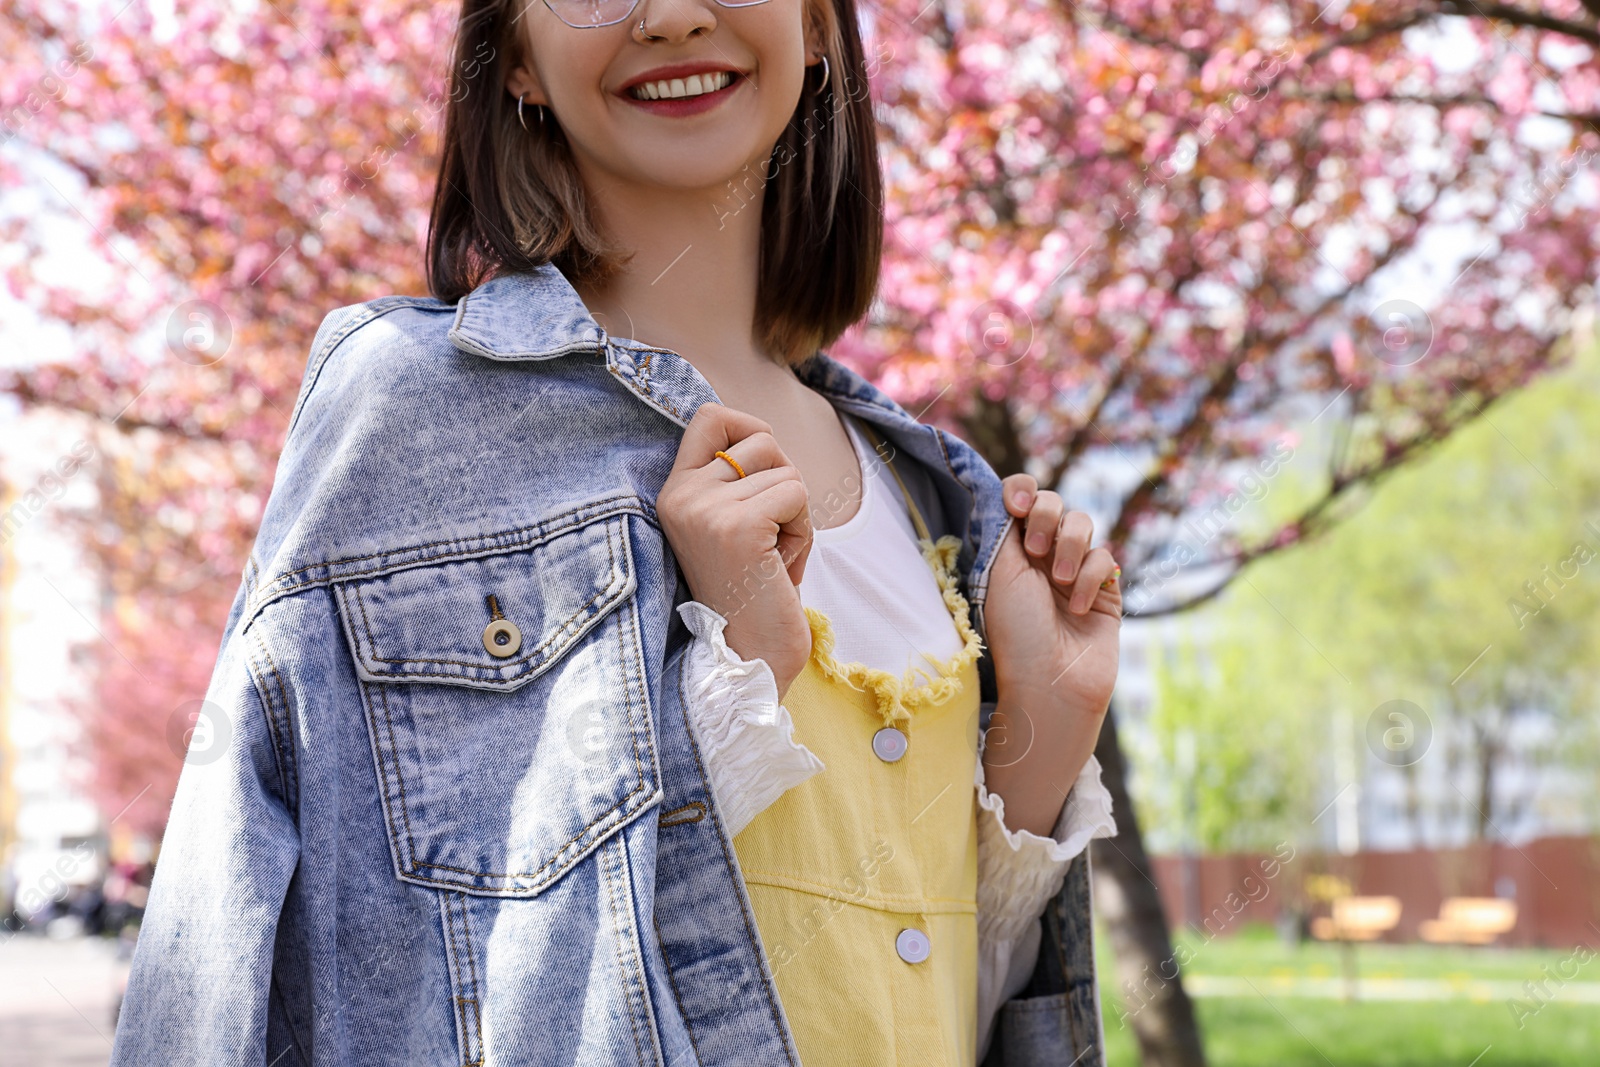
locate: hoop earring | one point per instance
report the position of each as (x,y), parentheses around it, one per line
(525,121)
(825,75)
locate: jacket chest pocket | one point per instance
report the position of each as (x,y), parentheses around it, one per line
(505,696)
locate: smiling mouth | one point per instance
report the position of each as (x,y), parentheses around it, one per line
(682,88)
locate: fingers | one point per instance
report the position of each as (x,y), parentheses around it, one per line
(756,482)
(1051,534)
(1018,491)
(714,427)
(1072,544)
(785,504)
(745,438)
(763,493)
(794,552)
(1043,522)
(755,453)
(1045,518)
(1093,587)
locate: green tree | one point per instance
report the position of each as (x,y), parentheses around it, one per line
(1463,594)
(1235,775)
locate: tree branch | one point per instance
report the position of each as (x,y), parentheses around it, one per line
(1517,16)
(27,393)
(1314,521)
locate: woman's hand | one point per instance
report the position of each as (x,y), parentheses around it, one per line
(1052,618)
(742,543)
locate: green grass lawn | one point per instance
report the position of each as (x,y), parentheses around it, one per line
(1265,1028)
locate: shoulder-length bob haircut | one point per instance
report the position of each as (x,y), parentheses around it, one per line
(509,199)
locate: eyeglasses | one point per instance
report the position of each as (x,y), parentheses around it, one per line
(589,14)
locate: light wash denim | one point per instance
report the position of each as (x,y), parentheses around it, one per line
(410,844)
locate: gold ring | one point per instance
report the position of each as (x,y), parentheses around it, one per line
(1115,574)
(732,461)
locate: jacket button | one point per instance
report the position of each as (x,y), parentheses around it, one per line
(912,945)
(502,638)
(889,744)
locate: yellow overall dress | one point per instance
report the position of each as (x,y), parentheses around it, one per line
(864,877)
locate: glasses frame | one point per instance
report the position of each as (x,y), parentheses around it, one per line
(629,13)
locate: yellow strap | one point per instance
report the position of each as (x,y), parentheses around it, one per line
(916,515)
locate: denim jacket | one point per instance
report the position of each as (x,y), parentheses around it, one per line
(452,811)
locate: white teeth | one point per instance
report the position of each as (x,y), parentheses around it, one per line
(674,88)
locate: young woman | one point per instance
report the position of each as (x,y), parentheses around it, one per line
(608,681)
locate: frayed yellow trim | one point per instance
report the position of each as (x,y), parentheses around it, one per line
(897,698)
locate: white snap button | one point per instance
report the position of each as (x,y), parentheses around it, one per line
(912,945)
(889,744)
(501,638)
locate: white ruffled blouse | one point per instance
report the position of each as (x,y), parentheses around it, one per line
(869,577)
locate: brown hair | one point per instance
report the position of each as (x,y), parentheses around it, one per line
(510,200)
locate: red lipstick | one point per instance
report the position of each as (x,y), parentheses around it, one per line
(682,105)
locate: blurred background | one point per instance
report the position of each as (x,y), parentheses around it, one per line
(1295,298)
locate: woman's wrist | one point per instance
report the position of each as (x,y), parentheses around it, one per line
(736,635)
(1034,749)
(785,669)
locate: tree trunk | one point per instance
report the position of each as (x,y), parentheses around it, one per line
(1488,754)
(1154,1002)
(1414,805)
(991,429)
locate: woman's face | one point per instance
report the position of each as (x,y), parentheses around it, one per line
(591,81)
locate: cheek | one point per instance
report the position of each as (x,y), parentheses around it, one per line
(568,63)
(773,34)
(571,66)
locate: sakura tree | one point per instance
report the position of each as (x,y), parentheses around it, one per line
(1145,238)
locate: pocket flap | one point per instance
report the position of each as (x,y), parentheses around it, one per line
(501,765)
(438,623)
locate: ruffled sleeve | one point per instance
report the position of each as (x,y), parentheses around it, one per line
(1018,873)
(746,735)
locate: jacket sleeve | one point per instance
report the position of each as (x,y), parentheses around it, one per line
(197,990)
(744,732)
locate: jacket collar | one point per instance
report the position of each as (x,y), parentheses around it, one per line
(537,315)
(534,315)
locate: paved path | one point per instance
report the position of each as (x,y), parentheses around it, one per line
(56,1001)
